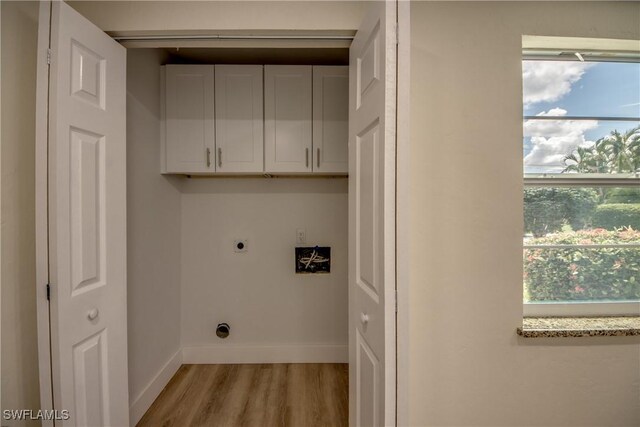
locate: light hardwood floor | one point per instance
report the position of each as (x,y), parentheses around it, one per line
(297,395)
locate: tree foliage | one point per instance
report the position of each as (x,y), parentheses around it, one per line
(618,152)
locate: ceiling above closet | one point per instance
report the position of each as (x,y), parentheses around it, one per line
(276,56)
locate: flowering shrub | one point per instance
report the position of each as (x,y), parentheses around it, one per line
(573,274)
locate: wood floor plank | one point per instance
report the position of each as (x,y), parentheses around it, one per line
(269,395)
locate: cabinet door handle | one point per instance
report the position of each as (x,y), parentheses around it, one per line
(318,157)
(208,157)
(219,157)
(306,157)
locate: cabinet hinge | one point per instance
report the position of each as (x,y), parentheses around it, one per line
(49,56)
(48,292)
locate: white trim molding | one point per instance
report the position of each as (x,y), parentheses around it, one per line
(143,401)
(231,354)
(41,206)
(403,212)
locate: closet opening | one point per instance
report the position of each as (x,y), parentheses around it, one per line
(237,164)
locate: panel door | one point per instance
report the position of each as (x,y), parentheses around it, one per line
(372,154)
(87,222)
(189,118)
(239,118)
(287,113)
(331,119)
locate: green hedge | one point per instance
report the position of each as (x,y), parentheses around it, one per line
(573,274)
(617,215)
(623,195)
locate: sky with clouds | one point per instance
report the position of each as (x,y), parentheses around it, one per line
(572,88)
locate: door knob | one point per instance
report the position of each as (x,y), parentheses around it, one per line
(364,318)
(92,314)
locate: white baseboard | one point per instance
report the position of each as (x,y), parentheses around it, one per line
(265,354)
(143,401)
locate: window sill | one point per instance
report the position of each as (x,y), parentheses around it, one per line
(550,327)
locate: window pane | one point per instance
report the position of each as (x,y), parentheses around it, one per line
(581,243)
(583,146)
(602,89)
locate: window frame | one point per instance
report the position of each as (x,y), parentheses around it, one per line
(576,180)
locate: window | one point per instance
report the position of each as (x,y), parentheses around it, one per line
(581,145)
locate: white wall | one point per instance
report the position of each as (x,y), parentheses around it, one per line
(467,367)
(258,292)
(222,15)
(19,334)
(153,229)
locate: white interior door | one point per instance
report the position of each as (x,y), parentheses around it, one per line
(87,222)
(372,175)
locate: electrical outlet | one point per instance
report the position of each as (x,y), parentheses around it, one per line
(301,236)
(240,245)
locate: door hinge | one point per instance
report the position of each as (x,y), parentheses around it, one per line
(48,292)
(397,34)
(396,300)
(49,56)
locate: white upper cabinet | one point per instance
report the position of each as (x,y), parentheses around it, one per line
(189,113)
(239,118)
(330,119)
(287,113)
(254,119)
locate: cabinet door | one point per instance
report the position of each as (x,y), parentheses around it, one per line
(287,112)
(239,118)
(330,119)
(189,118)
